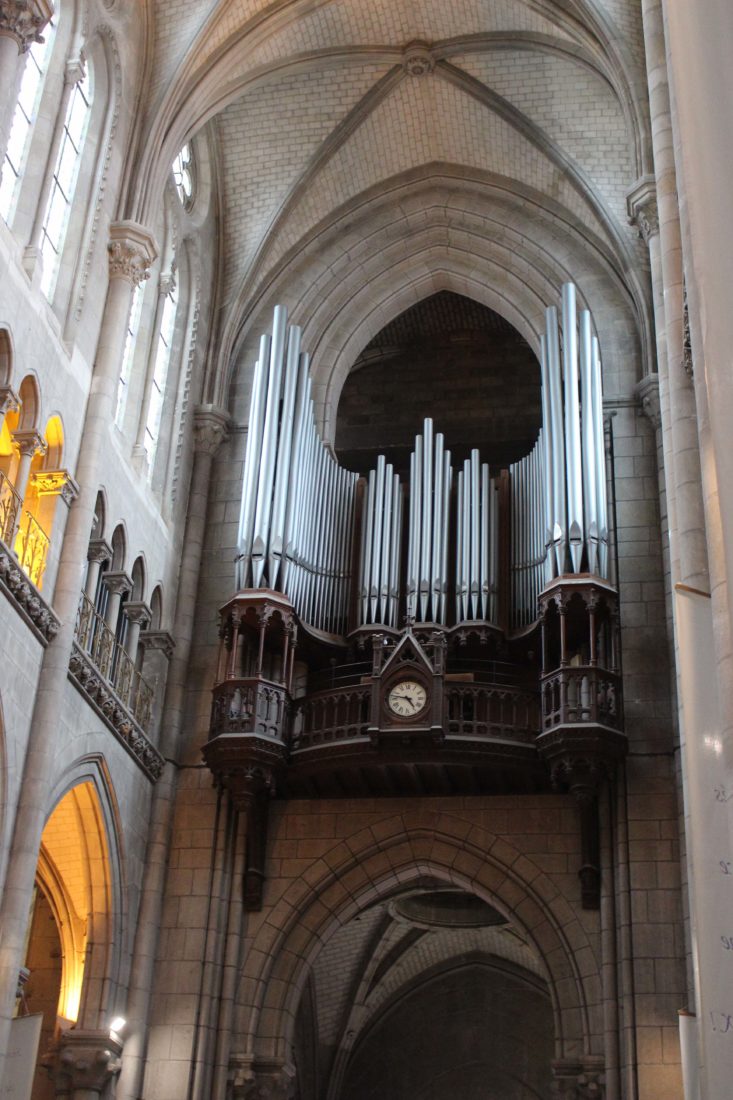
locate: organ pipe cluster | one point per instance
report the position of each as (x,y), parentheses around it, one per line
(379,577)
(576,512)
(298,504)
(529,549)
(297,513)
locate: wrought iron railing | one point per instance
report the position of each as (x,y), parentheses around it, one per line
(95,638)
(10,506)
(31,547)
(580,694)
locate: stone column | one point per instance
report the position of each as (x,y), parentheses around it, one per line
(29,444)
(210,427)
(138,614)
(98,551)
(131,251)
(21,24)
(117,584)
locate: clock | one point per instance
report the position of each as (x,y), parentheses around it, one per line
(407,698)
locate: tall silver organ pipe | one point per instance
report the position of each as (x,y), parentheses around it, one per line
(529,552)
(297,511)
(427,544)
(379,574)
(477,542)
(574,483)
(298,505)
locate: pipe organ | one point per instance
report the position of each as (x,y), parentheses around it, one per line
(454,624)
(444,564)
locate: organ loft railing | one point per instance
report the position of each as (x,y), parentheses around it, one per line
(447,627)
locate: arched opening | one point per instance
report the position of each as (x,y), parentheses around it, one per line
(433,993)
(45,482)
(450,358)
(69,935)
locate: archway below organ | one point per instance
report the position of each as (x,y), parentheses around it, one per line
(452,359)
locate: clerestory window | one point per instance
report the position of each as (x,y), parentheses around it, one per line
(66,171)
(128,357)
(160,373)
(24,117)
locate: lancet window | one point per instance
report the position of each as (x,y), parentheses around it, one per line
(66,171)
(24,118)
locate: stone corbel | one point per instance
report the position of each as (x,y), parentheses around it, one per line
(9,400)
(579,1078)
(262,1080)
(210,428)
(55,483)
(24,20)
(158,640)
(642,209)
(647,391)
(83,1060)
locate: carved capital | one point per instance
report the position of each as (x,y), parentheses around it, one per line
(132,251)
(579,1079)
(84,1060)
(137,611)
(642,209)
(210,427)
(118,582)
(581,775)
(9,400)
(262,1080)
(159,640)
(24,20)
(99,550)
(30,442)
(56,483)
(647,392)
(417,59)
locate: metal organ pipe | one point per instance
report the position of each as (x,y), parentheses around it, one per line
(589,451)
(574,449)
(572,426)
(297,512)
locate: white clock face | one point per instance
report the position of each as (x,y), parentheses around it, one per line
(407,698)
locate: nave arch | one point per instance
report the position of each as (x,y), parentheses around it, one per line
(380,862)
(78,906)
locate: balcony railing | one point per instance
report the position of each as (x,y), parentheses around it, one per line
(10,506)
(496,711)
(31,547)
(581,694)
(21,530)
(96,639)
